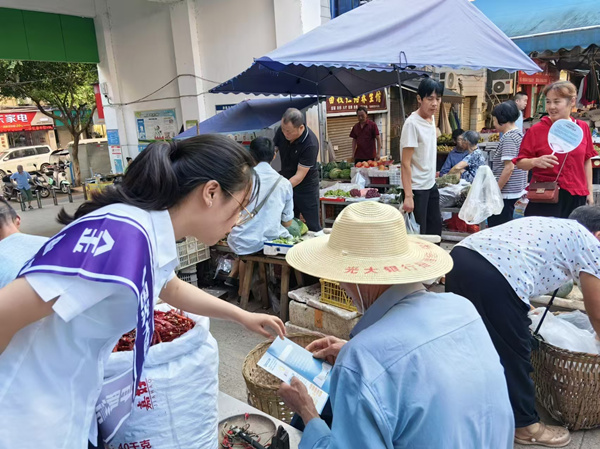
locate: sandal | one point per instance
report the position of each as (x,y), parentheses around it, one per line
(548,436)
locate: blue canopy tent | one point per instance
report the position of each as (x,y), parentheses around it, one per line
(248,115)
(376,39)
(546,25)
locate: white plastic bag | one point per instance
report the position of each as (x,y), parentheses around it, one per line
(176,405)
(359,180)
(562,333)
(578,319)
(412,227)
(484,198)
(449,195)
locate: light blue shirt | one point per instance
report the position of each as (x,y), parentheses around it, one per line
(420,372)
(519,122)
(266,226)
(22,180)
(15,252)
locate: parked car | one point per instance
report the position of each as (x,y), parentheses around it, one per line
(28,157)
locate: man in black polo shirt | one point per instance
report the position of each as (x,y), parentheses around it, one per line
(298,147)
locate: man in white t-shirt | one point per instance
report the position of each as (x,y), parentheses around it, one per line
(418,153)
(499,269)
(16,248)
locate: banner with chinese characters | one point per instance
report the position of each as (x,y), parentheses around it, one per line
(24,121)
(374,101)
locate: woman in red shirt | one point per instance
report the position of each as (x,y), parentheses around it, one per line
(575,178)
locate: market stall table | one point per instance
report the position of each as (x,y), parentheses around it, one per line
(229,406)
(262,261)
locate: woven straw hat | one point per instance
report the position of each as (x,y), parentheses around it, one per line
(369,245)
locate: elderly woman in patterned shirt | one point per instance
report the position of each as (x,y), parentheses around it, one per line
(500,268)
(467,168)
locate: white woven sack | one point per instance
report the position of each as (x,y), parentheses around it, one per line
(176,408)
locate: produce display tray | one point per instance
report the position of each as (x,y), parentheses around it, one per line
(276,249)
(337,199)
(359,200)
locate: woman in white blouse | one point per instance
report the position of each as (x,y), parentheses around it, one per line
(99,278)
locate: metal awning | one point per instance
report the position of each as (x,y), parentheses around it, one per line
(541,25)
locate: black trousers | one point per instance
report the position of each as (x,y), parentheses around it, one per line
(505,317)
(505,216)
(306,202)
(427,211)
(567,203)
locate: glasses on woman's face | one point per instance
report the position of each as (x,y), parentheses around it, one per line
(245,215)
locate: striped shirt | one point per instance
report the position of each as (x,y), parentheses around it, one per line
(507,150)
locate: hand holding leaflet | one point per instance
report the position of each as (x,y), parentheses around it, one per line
(285,359)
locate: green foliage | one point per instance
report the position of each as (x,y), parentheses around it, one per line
(65,87)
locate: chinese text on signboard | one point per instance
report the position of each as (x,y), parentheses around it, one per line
(374,101)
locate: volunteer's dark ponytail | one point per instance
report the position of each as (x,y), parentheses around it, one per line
(165,172)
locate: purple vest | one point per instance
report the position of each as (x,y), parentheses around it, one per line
(108,248)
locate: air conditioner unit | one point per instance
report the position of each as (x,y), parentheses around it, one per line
(450,80)
(502,87)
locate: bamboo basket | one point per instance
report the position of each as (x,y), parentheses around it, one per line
(262,386)
(567,384)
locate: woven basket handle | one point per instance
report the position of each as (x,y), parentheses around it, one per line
(537,329)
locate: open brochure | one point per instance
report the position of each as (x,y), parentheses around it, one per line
(285,359)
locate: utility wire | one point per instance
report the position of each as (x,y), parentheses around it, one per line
(145,99)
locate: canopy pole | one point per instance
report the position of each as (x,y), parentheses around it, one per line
(401,95)
(320,119)
(397,67)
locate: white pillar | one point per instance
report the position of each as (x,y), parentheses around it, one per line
(187,61)
(111,90)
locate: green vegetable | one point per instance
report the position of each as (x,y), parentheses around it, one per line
(301,225)
(338,192)
(330,166)
(295,229)
(343,165)
(345,174)
(288,241)
(304,229)
(336,173)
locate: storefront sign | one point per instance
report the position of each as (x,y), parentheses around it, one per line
(112,135)
(539,78)
(223,107)
(156,125)
(117,157)
(24,121)
(374,101)
(3,142)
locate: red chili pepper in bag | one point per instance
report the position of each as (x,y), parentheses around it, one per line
(167,327)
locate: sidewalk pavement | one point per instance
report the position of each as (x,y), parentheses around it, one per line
(43,221)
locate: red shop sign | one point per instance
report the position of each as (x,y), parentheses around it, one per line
(538,78)
(24,121)
(374,101)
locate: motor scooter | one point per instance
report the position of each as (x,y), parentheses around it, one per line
(39,184)
(9,188)
(57,177)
